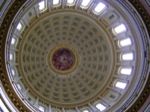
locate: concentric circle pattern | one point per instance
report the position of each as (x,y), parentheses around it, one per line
(76,55)
(89,46)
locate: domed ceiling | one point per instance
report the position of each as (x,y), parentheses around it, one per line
(74,55)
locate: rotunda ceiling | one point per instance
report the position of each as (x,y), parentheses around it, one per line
(65,58)
(75,55)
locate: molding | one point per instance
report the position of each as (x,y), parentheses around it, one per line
(3,73)
(145,93)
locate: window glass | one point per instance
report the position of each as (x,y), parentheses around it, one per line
(100,107)
(85,111)
(120,85)
(125,42)
(99,8)
(13,41)
(55,2)
(19,26)
(11,56)
(127,56)
(19,86)
(119,29)
(41,108)
(126,71)
(42,5)
(70,2)
(85,3)
(13,72)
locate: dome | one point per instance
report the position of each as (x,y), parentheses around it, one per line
(74,56)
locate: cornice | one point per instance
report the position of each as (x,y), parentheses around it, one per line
(143,12)
(145,93)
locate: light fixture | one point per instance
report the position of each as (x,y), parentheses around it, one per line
(99,8)
(127,56)
(120,29)
(120,85)
(100,106)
